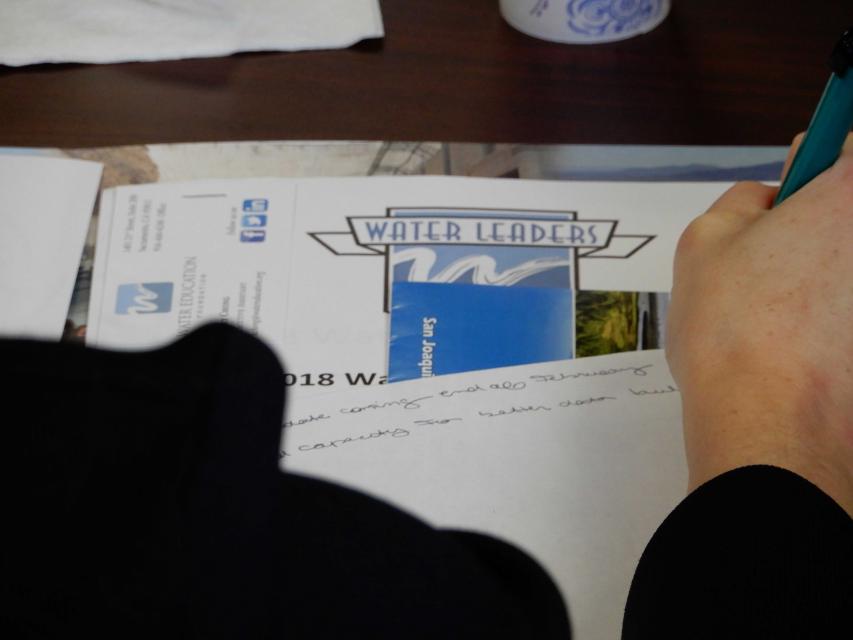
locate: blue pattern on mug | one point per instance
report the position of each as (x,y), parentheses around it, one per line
(539,7)
(611,17)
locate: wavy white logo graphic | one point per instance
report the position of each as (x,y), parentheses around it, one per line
(483,268)
(143,302)
(144,298)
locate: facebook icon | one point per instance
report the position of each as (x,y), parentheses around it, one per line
(255,205)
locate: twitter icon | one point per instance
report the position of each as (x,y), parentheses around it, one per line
(255,220)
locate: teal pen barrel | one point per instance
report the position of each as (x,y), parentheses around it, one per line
(827,131)
(825,136)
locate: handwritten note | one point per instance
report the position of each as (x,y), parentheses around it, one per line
(577,462)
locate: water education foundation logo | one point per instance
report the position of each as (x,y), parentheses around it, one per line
(144,297)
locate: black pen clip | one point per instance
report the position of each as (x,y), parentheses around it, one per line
(842,55)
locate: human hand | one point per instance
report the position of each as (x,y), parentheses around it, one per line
(760,332)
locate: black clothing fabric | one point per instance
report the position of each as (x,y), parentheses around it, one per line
(141,497)
(757,552)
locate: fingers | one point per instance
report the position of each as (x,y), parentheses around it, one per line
(824,203)
(845,158)
(846,150)
(795,146)
(745,198)
(733,211)
(833,189)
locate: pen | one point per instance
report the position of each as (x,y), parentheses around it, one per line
(830,123)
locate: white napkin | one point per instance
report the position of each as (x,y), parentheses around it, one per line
(45,209)
(34,31)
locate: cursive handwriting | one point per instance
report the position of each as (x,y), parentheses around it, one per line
(427,422)
(298,422)
(406,404)
(449,393)
(559,377)
(579,403)
(513,410)
(506,385)
(653,392)
(334,444)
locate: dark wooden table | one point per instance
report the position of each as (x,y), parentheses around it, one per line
(716,72)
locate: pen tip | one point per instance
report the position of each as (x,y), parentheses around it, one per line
(842,54)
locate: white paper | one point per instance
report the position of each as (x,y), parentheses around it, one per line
(36,31)
(170,257)
(577,462)
(326,316)
(45,208)
(581,487)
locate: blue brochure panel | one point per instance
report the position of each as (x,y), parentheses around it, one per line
(439,328)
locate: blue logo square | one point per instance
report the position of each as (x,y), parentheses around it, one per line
(439,328)
(255,220)
(255,205)
(144,297)
(253,235)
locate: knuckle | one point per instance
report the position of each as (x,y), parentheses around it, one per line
(748,188)
(692,237)
(737,193)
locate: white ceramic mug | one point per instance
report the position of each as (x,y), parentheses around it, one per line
(584,21)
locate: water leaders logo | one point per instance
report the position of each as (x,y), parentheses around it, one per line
(144,297)
(504,247)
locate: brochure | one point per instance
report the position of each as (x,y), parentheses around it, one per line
(359,281)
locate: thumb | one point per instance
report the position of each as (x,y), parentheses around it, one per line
(792,152)
(744,198)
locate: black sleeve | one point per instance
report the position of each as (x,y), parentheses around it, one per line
(757,552)
(141,497)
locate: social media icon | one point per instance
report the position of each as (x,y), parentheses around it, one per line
(255,220)
(253,235)
(144,297)
(256,205)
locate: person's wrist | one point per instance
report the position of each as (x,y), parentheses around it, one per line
(738,419)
